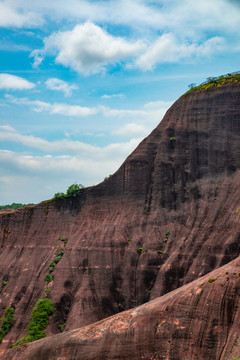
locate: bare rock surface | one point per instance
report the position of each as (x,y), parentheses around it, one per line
(182,179)
(198,321)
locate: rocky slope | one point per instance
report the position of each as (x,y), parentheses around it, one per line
(116,257)
(189,323)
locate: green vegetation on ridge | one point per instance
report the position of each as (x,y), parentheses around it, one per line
(72,191)
(215,82)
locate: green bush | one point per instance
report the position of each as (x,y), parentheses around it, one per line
(6,322)
(107,177)
(160,252)
(52,266)
(64,240)
(61,327)
(212,280)
(48,278)
(40,317)
(172,139)
(59,196)
(55,262)
(167,233)
(4,283)
(72,191)
(47,291)
(59,256)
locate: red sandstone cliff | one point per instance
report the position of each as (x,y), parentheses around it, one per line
(189,187)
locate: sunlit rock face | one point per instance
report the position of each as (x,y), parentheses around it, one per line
(168,216)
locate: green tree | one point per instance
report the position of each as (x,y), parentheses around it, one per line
(72,191)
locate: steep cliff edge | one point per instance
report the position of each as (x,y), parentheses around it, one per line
(183,180)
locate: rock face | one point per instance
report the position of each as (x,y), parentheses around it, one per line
(183,180)
(189,323)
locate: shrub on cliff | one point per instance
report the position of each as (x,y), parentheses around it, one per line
(6,322)
(40,317)
(72,191)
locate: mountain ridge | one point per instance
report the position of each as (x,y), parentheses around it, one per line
(116,257)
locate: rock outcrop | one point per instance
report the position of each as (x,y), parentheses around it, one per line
(183,180)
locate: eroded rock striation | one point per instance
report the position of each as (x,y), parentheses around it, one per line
(168,216)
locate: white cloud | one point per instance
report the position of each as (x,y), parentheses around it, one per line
(187,19)
(142,121)
(87,49)
(158,104)
(185,16)
(13,14)
(81,111)
(60,85)
(132,130)
(66,146)
(121,113)
(112,96)
(7,128)
(167,49)
(12,82)
(55,108)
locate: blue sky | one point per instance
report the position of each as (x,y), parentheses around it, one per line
(83,82)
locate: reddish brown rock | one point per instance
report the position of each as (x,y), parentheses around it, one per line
(189,187)
(199,321)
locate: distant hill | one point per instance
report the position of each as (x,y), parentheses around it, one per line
(14,206)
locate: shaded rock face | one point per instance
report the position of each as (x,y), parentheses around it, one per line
(118,255)
(198,321)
